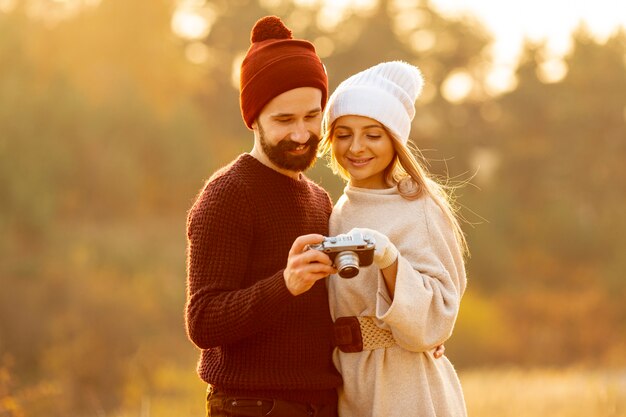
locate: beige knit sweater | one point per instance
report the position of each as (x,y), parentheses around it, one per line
(403,380)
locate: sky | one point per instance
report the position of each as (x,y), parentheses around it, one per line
(510,23)
(551,20)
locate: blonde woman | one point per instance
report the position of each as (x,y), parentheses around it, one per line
(390,318)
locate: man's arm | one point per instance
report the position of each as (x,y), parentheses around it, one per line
(220,309)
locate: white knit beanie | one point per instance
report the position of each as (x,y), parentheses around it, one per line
(385,92)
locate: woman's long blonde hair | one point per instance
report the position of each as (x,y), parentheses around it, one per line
(412,178)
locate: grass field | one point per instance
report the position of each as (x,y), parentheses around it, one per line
(511,392)
(543,393)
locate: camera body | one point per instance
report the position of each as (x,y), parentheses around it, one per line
(348,252)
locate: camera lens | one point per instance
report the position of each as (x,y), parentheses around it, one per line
(347,263)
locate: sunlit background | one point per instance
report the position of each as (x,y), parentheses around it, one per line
(550,22)
(113,113)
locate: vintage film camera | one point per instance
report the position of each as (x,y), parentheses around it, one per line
(348,252)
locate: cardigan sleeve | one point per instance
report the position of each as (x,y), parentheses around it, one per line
(220,310)
(429,285)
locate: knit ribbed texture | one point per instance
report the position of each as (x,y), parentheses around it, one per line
(385,92)
(274,64)
(256,338)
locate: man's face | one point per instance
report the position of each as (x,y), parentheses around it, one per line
(288,128)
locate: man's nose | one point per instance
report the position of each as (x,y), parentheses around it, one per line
(300,133)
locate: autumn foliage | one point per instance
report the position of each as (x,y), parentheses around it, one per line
(108,131)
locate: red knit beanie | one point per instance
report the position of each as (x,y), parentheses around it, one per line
(274,64)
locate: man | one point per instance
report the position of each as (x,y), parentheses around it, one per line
(257,306)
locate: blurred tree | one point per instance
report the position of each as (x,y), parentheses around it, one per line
(560,146)
(227,41)
(72,158)
(107,131)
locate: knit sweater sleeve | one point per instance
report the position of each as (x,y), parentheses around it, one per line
(220,308)
(429,285)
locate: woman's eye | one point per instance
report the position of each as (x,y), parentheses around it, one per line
(373,136)
(342,136)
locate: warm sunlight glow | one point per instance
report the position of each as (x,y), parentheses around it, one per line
(510,24)
(500,79)
(51,12)
(269,4)
(552,70)
(306,3)
(333,12)
(236,69)
(457,86)
(197,52)
(328,18)
(538,20)
(191,24)
(422,40)
(411,19)
(324,46)
(7,5)
(193,19)
(340,5)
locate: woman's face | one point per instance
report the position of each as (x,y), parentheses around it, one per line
(363,148)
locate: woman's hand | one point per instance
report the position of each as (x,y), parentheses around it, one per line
(385,253)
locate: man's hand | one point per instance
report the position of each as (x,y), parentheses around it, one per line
(305,267)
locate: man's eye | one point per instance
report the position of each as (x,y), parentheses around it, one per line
(283,120)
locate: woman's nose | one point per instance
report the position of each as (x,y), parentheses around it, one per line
(356,145)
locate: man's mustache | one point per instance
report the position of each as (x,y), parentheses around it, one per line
(289,145)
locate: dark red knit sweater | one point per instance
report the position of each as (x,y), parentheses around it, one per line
(256,338)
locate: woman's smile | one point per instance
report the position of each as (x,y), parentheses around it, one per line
(359,162)
(364,149)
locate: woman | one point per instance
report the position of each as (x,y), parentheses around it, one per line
(406,303)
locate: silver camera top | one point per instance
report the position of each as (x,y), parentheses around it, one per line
(355,241)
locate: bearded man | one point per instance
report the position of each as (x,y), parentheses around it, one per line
(257,306)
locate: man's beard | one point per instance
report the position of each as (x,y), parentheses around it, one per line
(280,156)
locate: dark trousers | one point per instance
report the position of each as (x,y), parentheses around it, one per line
(222,405)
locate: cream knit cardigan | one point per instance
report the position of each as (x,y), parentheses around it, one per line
(404,380)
